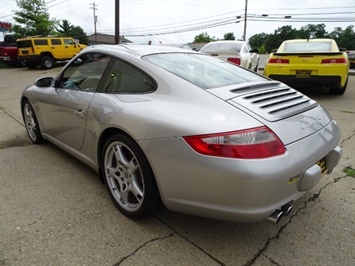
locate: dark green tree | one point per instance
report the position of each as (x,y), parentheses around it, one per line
(284,33)
(344,38)
(67,30)
(312,31)
(203,38)
(32,18)
(64,28)
(257,40)
(229,36)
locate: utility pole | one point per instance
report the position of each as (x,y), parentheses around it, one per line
(245,20)
(117,22)
(95,19)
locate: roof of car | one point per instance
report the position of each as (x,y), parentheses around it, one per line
(310,40)
(139,50)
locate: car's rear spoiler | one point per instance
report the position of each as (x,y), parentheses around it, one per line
(313,53)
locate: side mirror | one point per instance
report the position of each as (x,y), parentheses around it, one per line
(255,50)
(45,82)
(342,49)
(273,51)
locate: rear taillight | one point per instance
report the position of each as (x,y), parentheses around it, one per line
(254,143)
(334,61)
(234,60)
(278,61)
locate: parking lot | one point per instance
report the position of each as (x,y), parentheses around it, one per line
(55,211)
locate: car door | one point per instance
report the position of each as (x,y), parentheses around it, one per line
(70,48)
(64,107)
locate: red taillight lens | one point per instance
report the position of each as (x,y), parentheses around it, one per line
(278,61)
(234,60)
(255,143)
(334,61)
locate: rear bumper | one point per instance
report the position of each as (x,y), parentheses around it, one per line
(30,59)
(292,80)
(5,58)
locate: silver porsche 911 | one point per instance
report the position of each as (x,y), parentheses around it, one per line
(169,127)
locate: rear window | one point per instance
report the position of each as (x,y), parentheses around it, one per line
(308,47)
(222,47)
(24,44)
(41,42)
(203,71)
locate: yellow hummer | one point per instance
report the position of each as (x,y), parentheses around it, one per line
(45,51)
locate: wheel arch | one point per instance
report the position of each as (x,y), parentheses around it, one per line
(101,143)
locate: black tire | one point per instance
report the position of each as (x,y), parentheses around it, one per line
(129,178)
(31,65)
(339,90)
(31,123)
(47,62)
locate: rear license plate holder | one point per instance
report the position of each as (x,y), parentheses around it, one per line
(303,74)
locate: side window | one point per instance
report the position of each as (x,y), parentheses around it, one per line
(68,42)
(122,77)
(56,42)
(41,42)
(84,73)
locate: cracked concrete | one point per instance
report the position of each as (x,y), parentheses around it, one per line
(54,210)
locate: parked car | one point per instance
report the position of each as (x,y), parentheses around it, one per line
(351,55)
(46,51)
(8,51)
(186,46)
(198,134)
(310,62)
(237,52)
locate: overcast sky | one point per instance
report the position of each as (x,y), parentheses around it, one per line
(146,17)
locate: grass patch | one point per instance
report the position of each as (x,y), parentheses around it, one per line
(349,171)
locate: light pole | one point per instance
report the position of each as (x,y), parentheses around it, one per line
(117,22)
(245,20)
(95,19)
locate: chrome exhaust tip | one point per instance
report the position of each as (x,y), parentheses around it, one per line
(286,209)
(275,216)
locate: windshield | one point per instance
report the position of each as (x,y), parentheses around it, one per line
(203,70)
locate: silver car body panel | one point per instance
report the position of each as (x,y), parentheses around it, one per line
(222,188)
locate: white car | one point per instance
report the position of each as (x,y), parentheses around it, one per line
(238,52)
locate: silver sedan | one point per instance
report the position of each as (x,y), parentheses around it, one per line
(169,127)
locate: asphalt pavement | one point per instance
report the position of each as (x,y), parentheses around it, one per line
(55,211)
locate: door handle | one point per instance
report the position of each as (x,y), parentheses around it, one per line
(79,112)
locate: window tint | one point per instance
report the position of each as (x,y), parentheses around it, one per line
(56,42)
(122,77)
(41,42)
(85,72)
(69,42)
(203,70)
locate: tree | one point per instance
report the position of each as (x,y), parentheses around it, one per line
(229,36)
(67,30)
(33,19)
(312,31)
(203,38)
(257,40)
(344,38)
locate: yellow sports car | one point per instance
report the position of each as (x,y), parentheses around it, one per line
(305,63)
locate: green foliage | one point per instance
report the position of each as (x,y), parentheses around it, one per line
(65,29)
(257,40)
(344,38)
(32,18)
(229,36)
(267,42)
(349,171)
(203,38)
